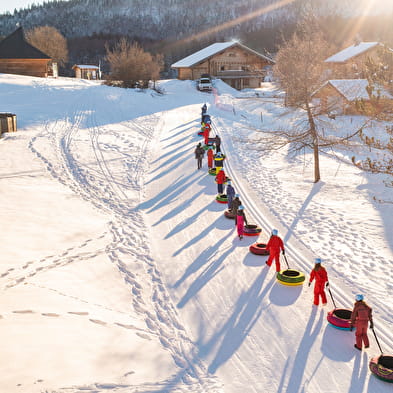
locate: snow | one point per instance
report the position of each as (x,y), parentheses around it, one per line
(209,51)
(203,54)
(86,67)
(119,272)
(351,89)
(351,51)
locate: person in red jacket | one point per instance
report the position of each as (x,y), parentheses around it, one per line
(321,279)
(361,314)
(274,246)
(210,156)
(220,179)
(206,132)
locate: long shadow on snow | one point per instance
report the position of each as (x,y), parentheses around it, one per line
(337,344)
(167,195)
(305,346)
(198,237)
(207,274)
(178,209)
(314,191)
(176,154)
(183,128)
(283,295)
(171,168)
(247,312)
(359,373)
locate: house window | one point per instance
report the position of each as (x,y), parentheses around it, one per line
(222,68)
(246,82)
(231,54)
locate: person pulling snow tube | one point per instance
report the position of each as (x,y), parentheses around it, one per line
(252,230)
(259,249)
(222,198)
(340,318)
(229,214)
(226,179)
(382,367)
(290,277)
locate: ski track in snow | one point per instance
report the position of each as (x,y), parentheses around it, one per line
(110,177)
(297,219)
(94,179)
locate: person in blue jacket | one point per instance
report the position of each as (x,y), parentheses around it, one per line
(230,191)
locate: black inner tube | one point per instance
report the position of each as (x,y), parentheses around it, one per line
(291,273)
(251,226)
(386,361)
(261,245)
(223,195)
(342,313)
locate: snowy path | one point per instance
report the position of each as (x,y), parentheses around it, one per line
(250,330)
(122,268)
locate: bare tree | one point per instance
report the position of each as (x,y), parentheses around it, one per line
(50,41)
(300,70)
(131,65)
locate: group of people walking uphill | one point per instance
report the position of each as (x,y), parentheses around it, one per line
(361,314)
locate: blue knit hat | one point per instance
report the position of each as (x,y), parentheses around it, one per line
(359,298)
(274,232)
(237,196)
(241,207)
(318,260)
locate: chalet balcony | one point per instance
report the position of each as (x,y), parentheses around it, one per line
(232,74)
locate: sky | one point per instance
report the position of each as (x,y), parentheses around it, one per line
(10,5)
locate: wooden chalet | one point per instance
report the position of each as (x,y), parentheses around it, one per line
(234,63)
(85,71)
(17,56)
(349,97)
(349,62)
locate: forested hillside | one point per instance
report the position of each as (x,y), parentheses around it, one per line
(178,27)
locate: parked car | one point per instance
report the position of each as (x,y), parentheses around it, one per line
(205,83)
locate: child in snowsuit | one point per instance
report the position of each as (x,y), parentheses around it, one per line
(274,246)
(361,314)
(220,179)
(210,156)
(240,221)
(206,132)
(321,279)
(218,143)
(204,109)
(199,153)
(230,193)
(235,205)
(218,161)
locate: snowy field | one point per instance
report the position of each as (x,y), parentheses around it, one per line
(119,272)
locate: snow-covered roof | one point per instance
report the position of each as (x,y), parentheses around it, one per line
(211,50)
(351,89)
(355,89)
(86,66)
(351,51)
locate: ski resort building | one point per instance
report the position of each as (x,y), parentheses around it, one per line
(17,56)
(234,63)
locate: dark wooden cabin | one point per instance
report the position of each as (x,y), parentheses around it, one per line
(17,56)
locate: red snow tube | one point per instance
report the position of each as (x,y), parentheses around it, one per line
(229,214)
(251,230)
(222,198)
(259,249)
(200,133)
(382,367)
(340,318)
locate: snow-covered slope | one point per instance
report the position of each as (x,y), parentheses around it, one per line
(120,273)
